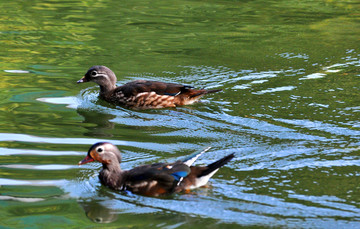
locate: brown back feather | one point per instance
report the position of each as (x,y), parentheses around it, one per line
(138,86)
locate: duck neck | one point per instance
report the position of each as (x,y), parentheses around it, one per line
(112,168)
(106,89)
(112,176)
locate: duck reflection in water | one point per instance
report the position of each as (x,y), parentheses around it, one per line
(98,213)
(100,123)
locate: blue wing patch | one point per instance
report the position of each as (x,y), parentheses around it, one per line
(180,174)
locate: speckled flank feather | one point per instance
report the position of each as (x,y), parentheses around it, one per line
(151,99)
(142,94)
(144,100)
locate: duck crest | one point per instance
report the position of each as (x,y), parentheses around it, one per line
(142,94)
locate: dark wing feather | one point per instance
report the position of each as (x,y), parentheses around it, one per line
(144,172)
(160,88)
(166,175)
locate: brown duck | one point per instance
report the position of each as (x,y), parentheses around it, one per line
(142,94)
(151,180)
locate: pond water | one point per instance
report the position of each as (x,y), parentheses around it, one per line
(289,110)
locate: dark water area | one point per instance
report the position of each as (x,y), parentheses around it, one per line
(289,110)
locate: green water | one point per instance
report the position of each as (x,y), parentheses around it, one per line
(289,110)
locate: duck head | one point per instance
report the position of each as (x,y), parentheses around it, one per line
(101,75)
(103,152)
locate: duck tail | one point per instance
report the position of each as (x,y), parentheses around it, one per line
(197,93)
(188,96)
(205,173)
(213,167)
(213,91)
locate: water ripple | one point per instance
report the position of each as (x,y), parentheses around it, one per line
(39,167)
(84,141)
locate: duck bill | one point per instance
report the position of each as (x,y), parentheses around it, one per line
(87,159)
(82,80)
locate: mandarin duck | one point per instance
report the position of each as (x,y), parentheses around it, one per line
(142,94)
(154,179)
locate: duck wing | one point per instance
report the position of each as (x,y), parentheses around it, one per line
(156,179)
(144,94)
(161,88)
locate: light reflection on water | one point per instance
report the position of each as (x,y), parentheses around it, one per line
(289,110)
(235,199)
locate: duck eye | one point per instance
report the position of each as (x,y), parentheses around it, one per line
(93,73)
(99,150)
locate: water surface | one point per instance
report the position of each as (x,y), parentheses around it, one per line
(289,110)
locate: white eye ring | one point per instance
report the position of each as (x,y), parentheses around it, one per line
(100,150)
(93,73)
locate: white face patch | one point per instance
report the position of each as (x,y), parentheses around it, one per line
(108,148)
(105,76)
(110,152)
(100,150)
(93,73)
(98,75)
